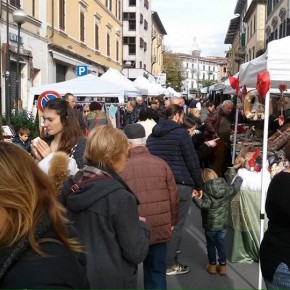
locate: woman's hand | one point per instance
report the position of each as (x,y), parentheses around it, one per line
(40,149)
(197,193)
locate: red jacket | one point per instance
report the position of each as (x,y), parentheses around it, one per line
(151,179)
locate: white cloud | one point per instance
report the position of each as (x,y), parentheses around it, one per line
(207,20)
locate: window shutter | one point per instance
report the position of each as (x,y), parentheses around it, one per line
(15,3)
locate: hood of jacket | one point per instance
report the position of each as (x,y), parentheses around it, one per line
(216,188)
(163,127)
(89,193)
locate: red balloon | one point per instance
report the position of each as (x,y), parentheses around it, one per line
(263,83)
(282,88)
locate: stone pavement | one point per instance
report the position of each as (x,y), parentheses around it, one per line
(240,276)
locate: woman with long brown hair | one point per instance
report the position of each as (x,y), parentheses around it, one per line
(36,248)
(63,132)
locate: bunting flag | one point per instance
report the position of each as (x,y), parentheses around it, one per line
(234,82)
(263,83)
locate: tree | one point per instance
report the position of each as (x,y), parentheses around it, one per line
(172,66)
(207,83)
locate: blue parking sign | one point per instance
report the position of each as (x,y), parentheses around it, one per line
(81,70)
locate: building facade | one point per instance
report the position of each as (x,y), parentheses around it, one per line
(137,26)
(197,69)
(57,37)
(158,47)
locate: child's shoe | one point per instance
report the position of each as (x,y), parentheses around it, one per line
(211,268)
(222,269)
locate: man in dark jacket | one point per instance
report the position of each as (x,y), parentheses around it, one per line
(70,98)
(171,142)
(152,181)
(218,125)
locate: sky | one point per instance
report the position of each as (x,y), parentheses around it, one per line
(205,20)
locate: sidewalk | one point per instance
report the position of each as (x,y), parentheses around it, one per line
(240,276)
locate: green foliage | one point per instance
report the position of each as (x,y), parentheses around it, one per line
(207,83)
(24,119)
(172,66)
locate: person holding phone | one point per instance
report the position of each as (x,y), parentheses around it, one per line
(204,149)
(63,133)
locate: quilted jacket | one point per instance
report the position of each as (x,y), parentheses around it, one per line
(215,203)
(151,179)
(172,143)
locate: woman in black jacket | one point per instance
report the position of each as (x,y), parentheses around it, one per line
(104,211)
(36,248)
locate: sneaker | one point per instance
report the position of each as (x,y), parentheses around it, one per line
(211,268)
(177,269)
(222,270)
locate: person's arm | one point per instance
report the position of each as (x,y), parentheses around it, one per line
(191,160)
(203,203)
(131,233)
(210,123)
(173,195)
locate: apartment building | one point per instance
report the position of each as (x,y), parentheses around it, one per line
(197,69)
(158,32)
(59,35)
(260,21)
(137,27)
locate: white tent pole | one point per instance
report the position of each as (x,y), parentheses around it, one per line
(235,134)
(264,171)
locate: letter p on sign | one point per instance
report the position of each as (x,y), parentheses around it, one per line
(82,70)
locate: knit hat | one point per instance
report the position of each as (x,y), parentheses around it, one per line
(134,131)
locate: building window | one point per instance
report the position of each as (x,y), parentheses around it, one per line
(129,40)
(145,25)
(97,37)
(132,49)
(132,2)
(141,42)
(145,66)
(62,14)
(132,25)
(145,46)
(141,18)
(140,64)
(109,4)
(108,43)
(254,52)
(61,71)
(146,4)
(15,3)
(118,9)
(82,26)
(117,50)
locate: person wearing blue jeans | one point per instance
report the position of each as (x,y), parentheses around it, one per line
(214,207)
(154,267)
(215,240)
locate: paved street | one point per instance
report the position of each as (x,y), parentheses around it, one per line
(240,276)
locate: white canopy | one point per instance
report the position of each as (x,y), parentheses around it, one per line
(145,86)
(228,88)
(115,77)
(173,92)
(276,60)
(87,86)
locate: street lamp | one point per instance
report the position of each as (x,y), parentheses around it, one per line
(128,64)
(19,17)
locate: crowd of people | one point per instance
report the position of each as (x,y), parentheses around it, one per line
(83,205)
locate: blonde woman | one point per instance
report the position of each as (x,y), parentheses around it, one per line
(215,213)
(36,250)
(104,211)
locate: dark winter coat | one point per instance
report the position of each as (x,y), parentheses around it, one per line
(21,267)
(215,203)
(104,212)
(25,145)
(218,124)
(172,143)
(152,181)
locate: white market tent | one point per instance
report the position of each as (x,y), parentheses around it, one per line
(86,86)
(277,61)
(172,92)
(146,88)
(115,77)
